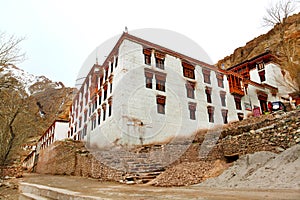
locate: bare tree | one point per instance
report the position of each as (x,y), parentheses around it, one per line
(10,51)
(287,49)
(10,105)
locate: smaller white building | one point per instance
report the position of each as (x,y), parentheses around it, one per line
(57,131)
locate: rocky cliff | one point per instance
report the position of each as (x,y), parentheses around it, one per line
(28,106)
(269,41)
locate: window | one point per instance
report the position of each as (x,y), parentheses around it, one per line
(109,106)
(220,80)
(110,87)
(111,67)
(190,89)
(262,75)
(80,122)
(160,85)
(192,108)
(206,75)
(160,81)
(223,98)
(161,102)
(93,123)
(160,60)
(208,94)
(104,111)
(261,71)
(105,91)
(237,100)
(116,63)
(86,98)
(84,131)
(149,77)
(263,98)
(100,96)
(147,56)
(99,116)
(106,73)
(210,111)
(188,70)
(240,116)
(225,116)
(160,63)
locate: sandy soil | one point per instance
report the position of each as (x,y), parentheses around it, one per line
(92,187)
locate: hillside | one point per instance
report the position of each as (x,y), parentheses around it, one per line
(28,106)
(268,41)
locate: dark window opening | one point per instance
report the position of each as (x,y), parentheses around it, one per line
(160,81)
(106,74)
(220,78)
(262,75)
(161,102)
(105,94)
(263,98)
(160,63)
(160,60)
(189,73)
(99,117)
(240,116)
(116,64)
(238,104)
(223,98)
(147,56)
(190,89)
(148,82)
(104,111)
(225,116)
(109,110)
(149,77)
(111,67)
(160,85)
(188,70)
(192,109)
(206,75)
(210,111)
(208,94)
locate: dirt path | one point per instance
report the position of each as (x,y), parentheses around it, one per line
(92,187)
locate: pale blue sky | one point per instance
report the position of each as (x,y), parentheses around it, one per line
(60,34)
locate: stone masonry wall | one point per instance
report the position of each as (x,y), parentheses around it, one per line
(274,132)
(71,158)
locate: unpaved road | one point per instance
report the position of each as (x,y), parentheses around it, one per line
(92,187)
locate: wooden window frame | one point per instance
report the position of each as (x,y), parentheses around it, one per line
(192,109)
(210,111)
(225,116)
(161,102)
(188,70)
(208,91)
(223,98)
(160,81)
(206,75)
(148,77)
(220,78)
(238,102)
(190,89)
(160,60)
(147,56)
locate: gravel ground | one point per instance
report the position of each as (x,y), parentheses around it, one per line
(262,170)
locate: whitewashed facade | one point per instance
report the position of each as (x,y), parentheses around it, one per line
(144,93)
(57,131)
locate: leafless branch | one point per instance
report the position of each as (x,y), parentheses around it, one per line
(10,51)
